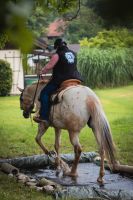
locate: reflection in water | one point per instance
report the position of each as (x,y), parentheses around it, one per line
(88,173)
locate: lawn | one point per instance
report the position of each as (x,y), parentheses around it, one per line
(10,190)
(17,135)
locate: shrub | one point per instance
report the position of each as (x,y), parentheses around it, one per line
(3,40)
(110,39)
(5,78)
(106,68)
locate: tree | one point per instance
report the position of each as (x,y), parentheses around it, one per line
(5,78)
(87,24)
(115,13)
(39,21)
(14,15)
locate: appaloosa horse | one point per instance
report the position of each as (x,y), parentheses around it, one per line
(78,106)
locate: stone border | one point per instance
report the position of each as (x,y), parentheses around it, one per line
(10,166)
(38,161)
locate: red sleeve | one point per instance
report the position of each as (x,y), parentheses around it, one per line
(50,65)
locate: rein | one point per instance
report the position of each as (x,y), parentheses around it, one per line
(35,92)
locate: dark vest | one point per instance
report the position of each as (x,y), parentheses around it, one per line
(66,67)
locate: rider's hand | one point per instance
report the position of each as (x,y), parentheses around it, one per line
(43,71)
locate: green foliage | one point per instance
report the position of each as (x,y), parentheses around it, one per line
(110,39)
(14,16)
(106,68)
(119,13)
(87,24)
(3,40)
(5,78)
(39,21)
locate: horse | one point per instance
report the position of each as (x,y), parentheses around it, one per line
(77,106)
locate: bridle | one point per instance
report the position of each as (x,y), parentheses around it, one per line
(33,102)
(28,112)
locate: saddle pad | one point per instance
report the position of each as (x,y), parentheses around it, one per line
(57,97)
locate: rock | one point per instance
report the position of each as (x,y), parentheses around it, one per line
(32,180)
(23,178)
(21,181)
(39,188)
(48,188)
(45,182)
(32,187)
(10,175)
(31,183)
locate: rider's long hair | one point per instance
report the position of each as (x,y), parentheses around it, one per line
(59,44)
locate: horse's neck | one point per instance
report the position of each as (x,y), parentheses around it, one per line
(36,89)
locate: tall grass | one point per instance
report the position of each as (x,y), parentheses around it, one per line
(106,67)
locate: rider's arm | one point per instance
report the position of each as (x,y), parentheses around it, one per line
(50,65)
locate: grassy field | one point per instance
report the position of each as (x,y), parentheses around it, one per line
(17,135)
(10,190)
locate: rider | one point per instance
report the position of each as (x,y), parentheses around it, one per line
(63,63)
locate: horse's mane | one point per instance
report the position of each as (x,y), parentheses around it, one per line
(30,88)
(41,82)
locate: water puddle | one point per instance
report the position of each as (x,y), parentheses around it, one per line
(88,173)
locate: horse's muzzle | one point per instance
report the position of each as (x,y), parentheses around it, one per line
(26,114)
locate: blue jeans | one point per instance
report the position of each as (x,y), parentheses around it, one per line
(45,99)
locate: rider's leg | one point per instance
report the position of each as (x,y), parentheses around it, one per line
(45,101)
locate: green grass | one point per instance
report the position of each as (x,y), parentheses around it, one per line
(9,190)
(17,136)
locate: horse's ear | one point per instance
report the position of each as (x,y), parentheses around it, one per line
(20,89)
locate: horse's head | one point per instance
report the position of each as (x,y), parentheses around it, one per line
(26,102)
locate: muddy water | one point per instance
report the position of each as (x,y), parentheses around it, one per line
(88,173)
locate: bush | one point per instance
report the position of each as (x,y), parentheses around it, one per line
(5,78)
(3,40)
(106,68)
(110,39)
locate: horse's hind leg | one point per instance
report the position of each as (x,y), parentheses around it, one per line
(101,173)
(41,130)
(77,150)
(101,151)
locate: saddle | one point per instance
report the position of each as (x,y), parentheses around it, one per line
(70,82)
(56,97)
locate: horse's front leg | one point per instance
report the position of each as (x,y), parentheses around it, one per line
(77,150)
(60,164)
(41,130)
(57,147)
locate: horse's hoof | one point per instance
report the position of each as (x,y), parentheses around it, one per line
(71,174)
(100,181)
(58,172)
(58,169)
(52,153)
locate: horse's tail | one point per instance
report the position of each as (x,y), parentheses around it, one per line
(99,123)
